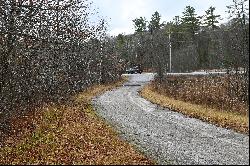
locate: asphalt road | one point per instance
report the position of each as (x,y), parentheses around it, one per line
(167,136)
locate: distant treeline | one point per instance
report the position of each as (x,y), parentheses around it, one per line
(194,43)
(197,42)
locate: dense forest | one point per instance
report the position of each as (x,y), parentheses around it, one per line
(50,49)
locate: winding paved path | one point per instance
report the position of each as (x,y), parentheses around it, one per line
(167,136)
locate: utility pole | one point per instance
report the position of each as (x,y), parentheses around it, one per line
(170,51)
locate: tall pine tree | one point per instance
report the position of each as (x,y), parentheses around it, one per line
(190,21)
(155,24)
(211,19)
(140,24)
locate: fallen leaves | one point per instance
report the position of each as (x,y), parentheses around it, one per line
(71,134)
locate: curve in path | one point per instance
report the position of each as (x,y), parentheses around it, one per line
(166,136)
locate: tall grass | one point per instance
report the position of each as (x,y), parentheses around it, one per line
(226,93)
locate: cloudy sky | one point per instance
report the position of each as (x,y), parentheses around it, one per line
(120,13)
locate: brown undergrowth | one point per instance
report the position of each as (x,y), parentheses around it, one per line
(226,92)
(69,133)
(196,97)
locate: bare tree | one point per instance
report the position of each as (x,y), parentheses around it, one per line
(49,49)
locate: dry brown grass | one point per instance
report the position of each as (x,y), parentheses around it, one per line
(220,92)
(68,134)
(226,119)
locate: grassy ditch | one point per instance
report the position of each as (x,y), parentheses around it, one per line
(197,98)
(68,133)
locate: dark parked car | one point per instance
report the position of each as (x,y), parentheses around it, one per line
(134,70)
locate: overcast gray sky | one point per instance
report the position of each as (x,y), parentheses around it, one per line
(120,13)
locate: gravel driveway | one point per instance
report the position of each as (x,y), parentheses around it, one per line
(167,136)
